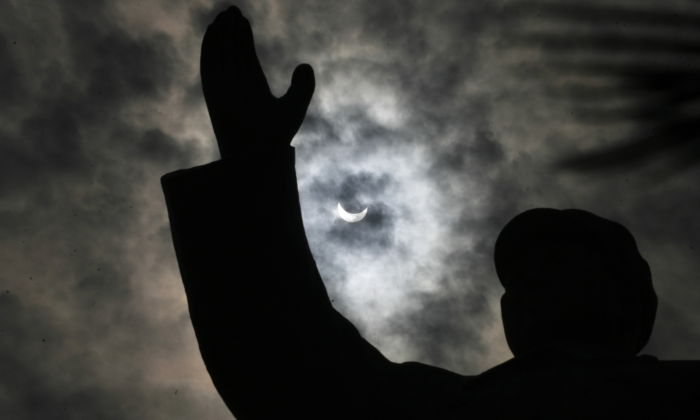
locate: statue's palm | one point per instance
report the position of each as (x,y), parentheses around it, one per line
(244,113)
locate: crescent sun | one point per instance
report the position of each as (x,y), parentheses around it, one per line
(350,217)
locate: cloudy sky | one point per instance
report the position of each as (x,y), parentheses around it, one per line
(446,118)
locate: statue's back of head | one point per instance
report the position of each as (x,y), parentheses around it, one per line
(573,280)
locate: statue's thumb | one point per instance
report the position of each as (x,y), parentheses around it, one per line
(297,99)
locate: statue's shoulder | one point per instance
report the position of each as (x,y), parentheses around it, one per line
(560,386)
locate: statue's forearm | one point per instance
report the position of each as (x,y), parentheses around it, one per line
(267,331)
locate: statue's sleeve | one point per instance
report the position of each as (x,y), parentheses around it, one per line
(269,336)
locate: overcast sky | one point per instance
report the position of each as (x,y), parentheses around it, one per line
(445,118)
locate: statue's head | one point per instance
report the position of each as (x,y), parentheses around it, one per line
(575,281)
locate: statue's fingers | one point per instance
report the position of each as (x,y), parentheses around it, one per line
(210,61)
(216,77)
(249,60)
(210,65)
(234,11)
(229,41)
(301,89)
(295,102)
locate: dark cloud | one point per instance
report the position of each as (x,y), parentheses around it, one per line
(161,148)
(202,15)
(194,96)
(360,185)
(430,113)
(80,151)
(443,331)
(375,231)
(466,156)
(11,80)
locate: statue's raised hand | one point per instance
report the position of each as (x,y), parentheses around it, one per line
(244,113)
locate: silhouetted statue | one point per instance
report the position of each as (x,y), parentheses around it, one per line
(579,302)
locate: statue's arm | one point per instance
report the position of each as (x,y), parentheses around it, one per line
(268,334)
(273,344)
